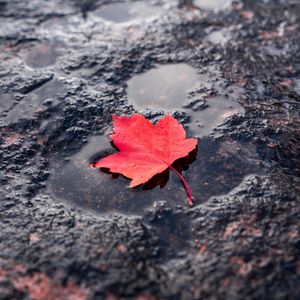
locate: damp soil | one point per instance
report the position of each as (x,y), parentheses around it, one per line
(228,71)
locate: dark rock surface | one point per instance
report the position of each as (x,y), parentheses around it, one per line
(64,70)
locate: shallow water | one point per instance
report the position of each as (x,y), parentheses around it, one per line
(219,168)
(219,37)
(42,55)
(297,86)
(212,4)
(165,87)
(213,169)
(179,87)
(219,109)
(126,12)
(6,101)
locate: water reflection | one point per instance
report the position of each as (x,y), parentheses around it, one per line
(220,166)
(219,109)
(125,12)
(42,55)
(219,37)
(212,4)
(163,88)
(6,101)
(179,87)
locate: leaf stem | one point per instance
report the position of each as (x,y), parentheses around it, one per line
(187,188)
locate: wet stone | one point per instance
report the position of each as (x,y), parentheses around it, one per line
(172,229)
(127,12)
(58,238)
(219,167)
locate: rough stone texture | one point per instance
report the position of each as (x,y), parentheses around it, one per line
(241,245)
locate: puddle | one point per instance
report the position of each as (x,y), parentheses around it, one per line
(6,101)
(179,87)
(219,37)
(219,109)
(219,168)
(40,99)
(297,86)
(42,55)
(78,183)
(212,4)
(163,88)
(126,12)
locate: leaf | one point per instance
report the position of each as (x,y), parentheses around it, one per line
(146,149)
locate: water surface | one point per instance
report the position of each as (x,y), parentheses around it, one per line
(218,168)
(179,87)
(219,109)
(6,101)
(42,55)
(165,87)
(212,4)
(127,11)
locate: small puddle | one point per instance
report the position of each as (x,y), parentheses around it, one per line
(219,168)
(179,87)
(212,4)
(6,101)
(219,109)
(38,100)
(77,182)
(297,86)
(42,55)
(163,88)
(219,37)
(127,12)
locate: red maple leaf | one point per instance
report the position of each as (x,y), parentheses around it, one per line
(147,149)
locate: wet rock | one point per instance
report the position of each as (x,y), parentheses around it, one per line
(228,71)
